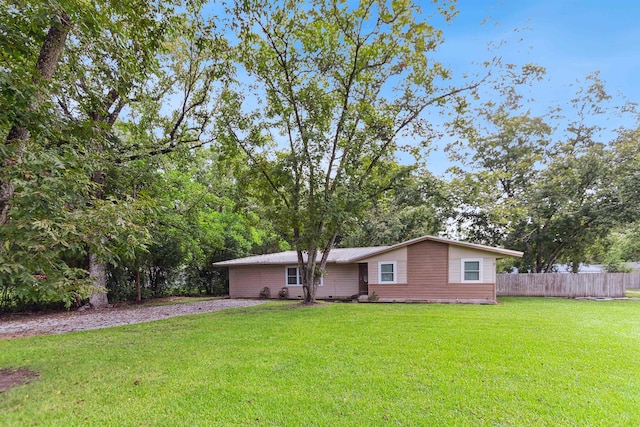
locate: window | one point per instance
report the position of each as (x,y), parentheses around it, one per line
(387,272)
(293,277)
(472,270)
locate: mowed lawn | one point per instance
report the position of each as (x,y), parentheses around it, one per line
(524,362)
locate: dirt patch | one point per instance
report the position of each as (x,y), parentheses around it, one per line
(15,377)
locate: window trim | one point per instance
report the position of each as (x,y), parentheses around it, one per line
(299,284)
(286,276)
(395,273)
(480,270)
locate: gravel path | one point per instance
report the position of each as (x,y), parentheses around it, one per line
(23,325)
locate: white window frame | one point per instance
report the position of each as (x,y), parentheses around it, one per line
(480,270)
(286,277)
(395,273)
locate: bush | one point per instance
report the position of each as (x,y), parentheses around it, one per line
(265,293)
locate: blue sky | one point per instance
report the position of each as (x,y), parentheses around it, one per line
(570,38)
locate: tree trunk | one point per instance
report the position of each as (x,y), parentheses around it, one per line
(134,194)
(539,261)
(98,272)
(575,267)
(312,274)
(309,285)
(19,134)
(310,294)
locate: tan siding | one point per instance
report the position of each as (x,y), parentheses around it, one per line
(244,282)
(427,263)
(399,256)
(426,271)
(340,281)
(457,254)
(429,268)
(248,281)
(447,293)
(273,276)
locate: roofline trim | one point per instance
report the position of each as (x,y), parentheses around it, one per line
(385,249)
(501,251)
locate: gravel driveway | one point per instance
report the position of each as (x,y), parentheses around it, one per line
(23,325)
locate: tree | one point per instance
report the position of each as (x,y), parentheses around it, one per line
(45,67)
(198,216)
(337,85)
(116,65)
(548,190)
(416,205)
(34,240)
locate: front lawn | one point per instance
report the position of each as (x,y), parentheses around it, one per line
(524,362)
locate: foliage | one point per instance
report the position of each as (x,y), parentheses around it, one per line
(58,212)
(265,293)
(626,243)
(415,206)
(197,219)
(134,81)
(130,141)
(283,293)
(526,361)
(545,185)
(335,85)
(619,247)
(50,231)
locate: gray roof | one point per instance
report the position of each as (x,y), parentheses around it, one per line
(350,255)
(337,255)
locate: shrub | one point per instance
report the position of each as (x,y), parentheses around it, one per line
(265,293)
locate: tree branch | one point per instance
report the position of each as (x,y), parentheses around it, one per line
(259,165)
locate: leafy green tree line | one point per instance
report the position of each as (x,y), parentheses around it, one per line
(104,103)
(142,141)
(554,185)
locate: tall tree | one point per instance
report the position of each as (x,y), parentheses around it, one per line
(198,215)
(45,67)
(106,64)
(549,190)
(134,80)
(414,206)
(337,84)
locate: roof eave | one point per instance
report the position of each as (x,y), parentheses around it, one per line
(505,252)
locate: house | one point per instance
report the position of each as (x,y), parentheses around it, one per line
(426,269)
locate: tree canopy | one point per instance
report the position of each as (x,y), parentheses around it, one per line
(337,85)
(143,140)
(93,91)
(548,185)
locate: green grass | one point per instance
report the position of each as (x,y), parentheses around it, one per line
(633,293)
(525,362)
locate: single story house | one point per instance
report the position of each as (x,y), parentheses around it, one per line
(426,269)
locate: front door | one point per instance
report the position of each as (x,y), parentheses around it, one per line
(363,278)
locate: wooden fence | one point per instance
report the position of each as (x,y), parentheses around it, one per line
(568,285)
